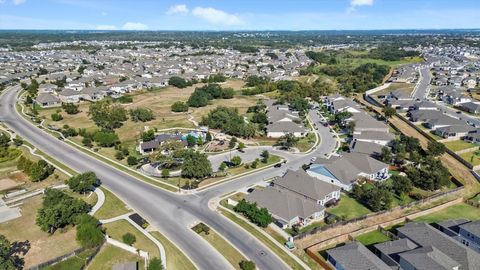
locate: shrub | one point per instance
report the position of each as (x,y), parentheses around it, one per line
(247,265)
(82,183)
(141,114)
(259,216)
(89,233)
(129,239)
(179,106)
(131,160)
(70,108)
(106,139)
(56,117)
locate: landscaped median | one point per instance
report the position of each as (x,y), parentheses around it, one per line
(231,254)
(268,241)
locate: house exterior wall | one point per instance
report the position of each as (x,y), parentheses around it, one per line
(469,239)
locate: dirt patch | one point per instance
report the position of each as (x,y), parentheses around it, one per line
(7,184)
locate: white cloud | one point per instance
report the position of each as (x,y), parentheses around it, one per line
(358,3)
(106,27)
(18,2)
(216,16)
(178,9)
(134,26)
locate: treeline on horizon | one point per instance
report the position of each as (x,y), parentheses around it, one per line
(24,39)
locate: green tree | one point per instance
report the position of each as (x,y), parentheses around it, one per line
(232,143)
(119,155)
(236,161)
(178,82)
(82,183)
(70,108)
(388,111)
(106,138)
(131,160)
(247,265)
(222,167)
(141,114)
(155,264)
(287,141)
(148,135)
(179,106)
(265,155)
(436,148)
(165,173)
(129,239)
(191,140)
(106,115)
(208,137)
(401,184)
(56,117)
(7,259)
(241,146)
(196,165)
(386,155)
(89,232)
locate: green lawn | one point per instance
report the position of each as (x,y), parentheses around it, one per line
(460,210)
(459,145)
(72,263)
(373,237)
(230,253)
(472,157)
(348,208)
(176,260)
(118,228)
(110,255)
(305,143)
(112,207)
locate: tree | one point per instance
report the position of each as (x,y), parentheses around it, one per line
(241,146)
(255,163)
(155,264)
(148,135)
(7,260)
(82,183)
(351,127)
(129,239)
(208,137)
(436,148)
(401,184)
(191,140)
(105,138)
(232,143)
(222,167)
(259,216)
(236,161)
(247,265)
(340,117)
(131,160)
(106,115)
(119,155)
(179,106)
(386,155)
(87,141)
(59,210)
(56,117)
(89,233)
(388,111)
(265,155)
(141,114)
(178,82)
(70,108)
(287,141)
(165,173)
(196,165)
(4,140)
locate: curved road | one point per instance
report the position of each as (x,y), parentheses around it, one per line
(171,213)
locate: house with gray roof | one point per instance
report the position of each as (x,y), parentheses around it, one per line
(454,131)
(471,107)
(282,120)
(469,235)
(70,96)
(296,198)
(389,251)
(47,100)
(473,137)
(344,171)
(366,148)
(427,258)
(377,137)
(355,256)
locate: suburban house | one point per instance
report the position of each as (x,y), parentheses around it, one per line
(355,256)
(344,171)
(296,198)
(473,137)
(70,96)
(150,146)
(425,105)
(338,103)
(454,131)
(469,235)
(382,138)
(471,107)
(282,120)
(92,93)
(443,121)
(47,100)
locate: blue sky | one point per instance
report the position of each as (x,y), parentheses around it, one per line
(239,14)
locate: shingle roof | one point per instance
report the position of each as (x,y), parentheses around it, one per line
(472,227)
(429,258)
(355,256)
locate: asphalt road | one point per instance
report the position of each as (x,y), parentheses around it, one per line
(171,213)
(423,85)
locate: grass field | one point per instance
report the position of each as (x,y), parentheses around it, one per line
(110,255)
(233,256)
(472,157)
(118,228)
(112,207)
(406,88)
(461,210)
(176,260)
(348,208)
(305,143)
(459,145)
(393,64)
(72,263)
(373,237)
(24,229)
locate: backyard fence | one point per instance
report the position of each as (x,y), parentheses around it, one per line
(67,256)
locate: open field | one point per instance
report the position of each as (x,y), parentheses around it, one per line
(459,145)
(176,260)
(118,228)
(230,253)
(110,255)
(348,208)
(406,88)
(305,143)
(112,207)
(461,210)
(393,64)
(472,157)
(24,229)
